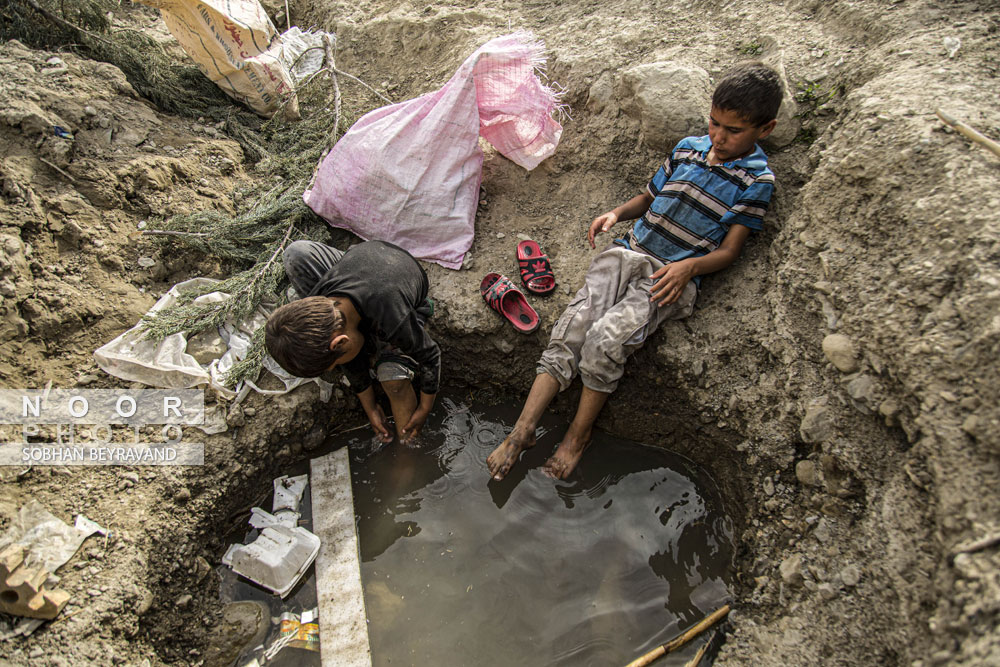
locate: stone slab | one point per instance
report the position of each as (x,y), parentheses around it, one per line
(343,624)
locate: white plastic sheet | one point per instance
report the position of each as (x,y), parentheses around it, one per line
(166,363)
(49,540)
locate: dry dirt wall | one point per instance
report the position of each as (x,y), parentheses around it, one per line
(857,486)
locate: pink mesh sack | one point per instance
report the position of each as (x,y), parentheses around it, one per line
(409,173)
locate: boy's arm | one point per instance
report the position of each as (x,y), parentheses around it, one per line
(745,216)
(374,412)
(412,339)
(630,210)
(672,278)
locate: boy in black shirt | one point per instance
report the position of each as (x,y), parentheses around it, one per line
(361,308)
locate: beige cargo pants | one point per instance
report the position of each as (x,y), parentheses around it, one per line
(609,319)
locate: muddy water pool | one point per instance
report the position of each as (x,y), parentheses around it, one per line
(459,569)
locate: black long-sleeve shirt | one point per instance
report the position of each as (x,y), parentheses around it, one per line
(386,285)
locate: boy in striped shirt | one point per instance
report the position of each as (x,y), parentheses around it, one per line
(694,217)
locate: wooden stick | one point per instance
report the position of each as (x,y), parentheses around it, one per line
(968,132)
(44,161)
(167,232)
(696,660)
(683,639)
(977,545)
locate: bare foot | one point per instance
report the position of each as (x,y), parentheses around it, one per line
(566,456)
(505,456)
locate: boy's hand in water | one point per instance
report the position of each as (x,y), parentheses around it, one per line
(380,424)
(416,422)
(413,427)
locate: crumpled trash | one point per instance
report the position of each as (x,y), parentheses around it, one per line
(409,173)
(50,541)
(952,45)
(283,551)
(168,364)
(303,52)
(21,627)
(296,631)
(33,548)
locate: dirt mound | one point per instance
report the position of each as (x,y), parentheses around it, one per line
(839,380)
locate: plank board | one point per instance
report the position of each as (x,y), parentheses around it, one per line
(343,625)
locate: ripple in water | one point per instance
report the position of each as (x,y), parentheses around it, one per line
(459,569)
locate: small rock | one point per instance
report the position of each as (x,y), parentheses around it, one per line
(768,486)
(142,224)
(90,111)
(889,409)
(840,352)
(942,657)
(791,570)
(234,418)
(500,235)
(72,233)
(822,531)
(468,261)
(817,425)
(504,345)
(823,286)
(183,601)
(524,237)
(206,347)
(145,603)
(827,591)
(314,438)
(94,592)
(183,495)
(36,652)
(87,378)
(806,473)
(249,412)
(862,390)
(146,262)
(850,576)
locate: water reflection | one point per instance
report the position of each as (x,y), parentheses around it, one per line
(460,569)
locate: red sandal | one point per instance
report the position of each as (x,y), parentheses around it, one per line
(536,271)
(501,295)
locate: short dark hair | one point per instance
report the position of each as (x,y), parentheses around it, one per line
(753,90)
(298,335)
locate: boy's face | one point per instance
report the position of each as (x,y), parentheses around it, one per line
(732,135)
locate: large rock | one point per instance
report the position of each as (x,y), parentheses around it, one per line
(671,100)
(788,124)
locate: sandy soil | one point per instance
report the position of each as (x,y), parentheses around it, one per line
(855,490)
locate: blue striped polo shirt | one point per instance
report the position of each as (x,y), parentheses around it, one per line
(695,203)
